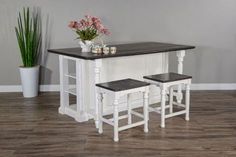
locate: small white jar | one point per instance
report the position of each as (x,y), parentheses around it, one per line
(113,50)
(106,50)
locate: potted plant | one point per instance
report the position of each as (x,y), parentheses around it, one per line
(88,29)
(29,40)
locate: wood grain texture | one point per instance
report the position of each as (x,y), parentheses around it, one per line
(33,127)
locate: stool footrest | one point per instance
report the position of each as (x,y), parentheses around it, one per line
(119,118)
(108,121)
(137,114)
(175,114)
(130,125)
(151,109)
(157,109)
(178,104)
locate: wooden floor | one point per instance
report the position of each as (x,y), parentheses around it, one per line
(33,127)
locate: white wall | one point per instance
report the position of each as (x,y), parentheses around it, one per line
(208,24)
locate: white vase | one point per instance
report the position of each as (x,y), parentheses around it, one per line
(86,45)
(29,80)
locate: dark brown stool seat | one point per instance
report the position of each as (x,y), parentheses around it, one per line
(167,77)
(121,85)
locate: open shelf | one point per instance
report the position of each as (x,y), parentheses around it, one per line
(71,91)
(71,75)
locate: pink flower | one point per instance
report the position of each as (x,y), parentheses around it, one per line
(79,26)
(96,20)
(105,31)
(83,23)
(98,26)
(88,16)
(73,24)
(89,23)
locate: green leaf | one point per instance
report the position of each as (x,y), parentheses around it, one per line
(28,37)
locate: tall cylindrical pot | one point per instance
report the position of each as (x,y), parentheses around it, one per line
(30,81)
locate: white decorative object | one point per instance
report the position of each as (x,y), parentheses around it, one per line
(106,50)
(95,49)
(29,79)
(113,50)
(99,50)
(86,45)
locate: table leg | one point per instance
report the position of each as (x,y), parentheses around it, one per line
(80,80)
(116,121)
(64,97)
(145,110)
(97,71)
(129,108)
(180,55)
(163,106)
(187,101)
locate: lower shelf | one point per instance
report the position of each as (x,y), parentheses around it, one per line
(72,91)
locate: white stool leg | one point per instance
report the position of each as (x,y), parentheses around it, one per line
(187,101)
(171,100)
(163,101)
(129,109)
(100,107)
(115,117)
(145,110)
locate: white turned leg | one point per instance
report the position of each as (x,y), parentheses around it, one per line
(163,101)
(100,130)
(129,109)
(145,110)
(97,67)
(115,117)
(180,55)
(64,82)
(187,101)
(79,98)
(171,100)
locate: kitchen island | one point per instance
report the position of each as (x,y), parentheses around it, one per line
(133,60)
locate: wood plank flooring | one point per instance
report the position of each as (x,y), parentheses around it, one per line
(33,127)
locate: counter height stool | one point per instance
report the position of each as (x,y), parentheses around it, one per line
(119,88)
(166,82)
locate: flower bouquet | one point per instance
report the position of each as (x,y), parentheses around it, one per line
(87,30)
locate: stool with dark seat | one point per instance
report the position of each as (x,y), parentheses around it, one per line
(115,90)
(166,82)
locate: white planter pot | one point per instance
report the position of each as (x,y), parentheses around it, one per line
(86,45)
(29,80)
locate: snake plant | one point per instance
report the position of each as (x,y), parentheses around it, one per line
(28,36)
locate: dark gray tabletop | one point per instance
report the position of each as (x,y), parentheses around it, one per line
(123,50)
